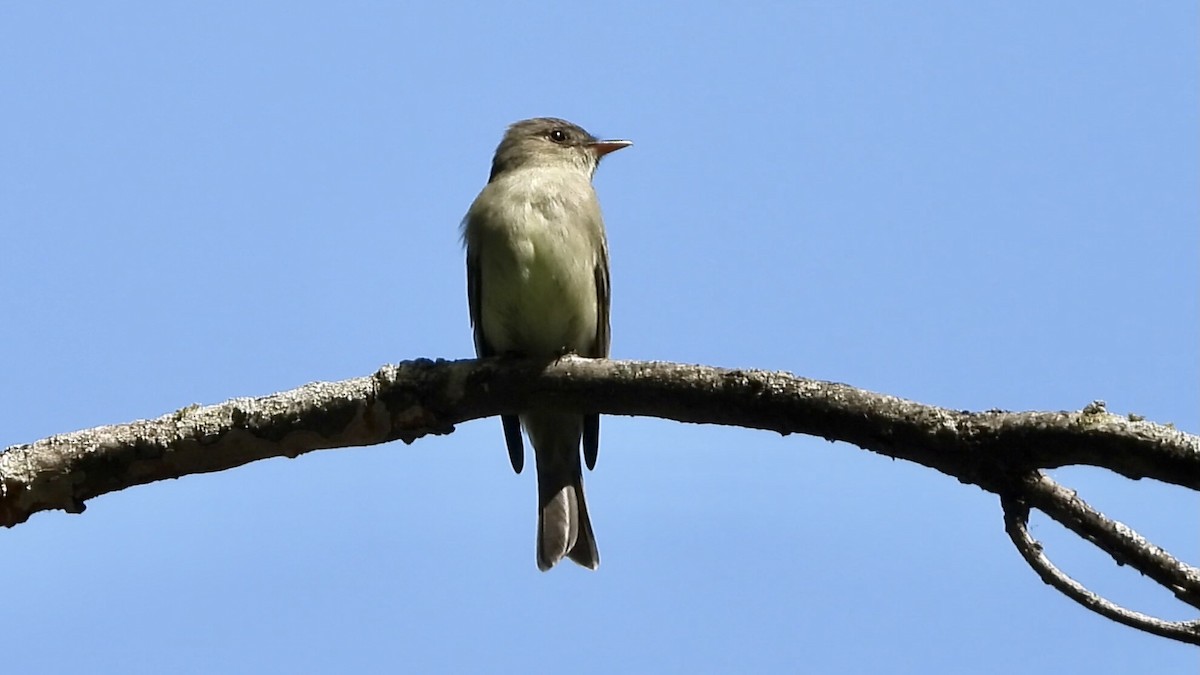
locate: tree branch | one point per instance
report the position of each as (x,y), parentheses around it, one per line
(1126,546)
(1016,521)
(1001,452)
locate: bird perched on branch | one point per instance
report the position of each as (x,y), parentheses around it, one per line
(537,285)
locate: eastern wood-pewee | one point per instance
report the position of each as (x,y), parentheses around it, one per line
(537,285)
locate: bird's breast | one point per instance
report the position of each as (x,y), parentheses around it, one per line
(537,261)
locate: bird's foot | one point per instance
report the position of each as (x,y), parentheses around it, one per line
(564,351)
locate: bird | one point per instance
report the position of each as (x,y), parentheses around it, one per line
(538,286)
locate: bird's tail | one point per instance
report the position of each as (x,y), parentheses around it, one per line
(564,529)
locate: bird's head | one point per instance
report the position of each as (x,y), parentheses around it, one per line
(547,141)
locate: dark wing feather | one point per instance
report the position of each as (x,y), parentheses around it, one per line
(591,439)
(603,333)
(482,348)
(512,423)
(591,421)
(512,438)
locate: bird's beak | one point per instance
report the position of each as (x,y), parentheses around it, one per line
(602,148)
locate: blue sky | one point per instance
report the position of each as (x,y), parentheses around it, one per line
(975,205)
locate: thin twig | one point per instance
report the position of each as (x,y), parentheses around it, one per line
(1016,519)
(1120,541)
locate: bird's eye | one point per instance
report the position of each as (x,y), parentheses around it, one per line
(558,136)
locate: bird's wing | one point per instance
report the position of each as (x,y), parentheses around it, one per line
(512,423)
(482,348)
(603,332)
(591,421)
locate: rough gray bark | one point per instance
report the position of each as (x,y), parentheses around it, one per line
(1001,452)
